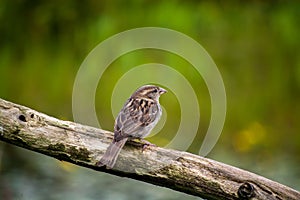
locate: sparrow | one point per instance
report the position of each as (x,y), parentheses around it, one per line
(137,118)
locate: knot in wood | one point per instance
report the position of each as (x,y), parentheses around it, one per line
(22,118)
(246,191)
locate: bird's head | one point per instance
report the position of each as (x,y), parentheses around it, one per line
(149,92)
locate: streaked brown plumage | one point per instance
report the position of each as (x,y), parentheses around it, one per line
(137,118)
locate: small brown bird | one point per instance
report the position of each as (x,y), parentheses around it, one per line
(136,119)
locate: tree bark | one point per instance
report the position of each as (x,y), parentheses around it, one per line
(181,171)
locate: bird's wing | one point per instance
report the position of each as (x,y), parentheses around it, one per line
(134,117)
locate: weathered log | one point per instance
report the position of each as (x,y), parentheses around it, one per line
(181,171)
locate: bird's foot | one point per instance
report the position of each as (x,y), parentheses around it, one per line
(146,144)
(141,142)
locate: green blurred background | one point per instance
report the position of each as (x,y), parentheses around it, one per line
(255,45)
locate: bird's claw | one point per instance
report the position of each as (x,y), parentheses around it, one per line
(146,144)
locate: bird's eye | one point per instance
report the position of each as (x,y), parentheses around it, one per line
(155,90)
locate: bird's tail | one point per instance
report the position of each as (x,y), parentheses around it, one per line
(110,156)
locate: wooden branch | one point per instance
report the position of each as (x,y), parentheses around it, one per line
(181,171)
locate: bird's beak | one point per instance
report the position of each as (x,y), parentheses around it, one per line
(162,91)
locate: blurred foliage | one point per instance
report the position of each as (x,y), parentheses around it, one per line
(255,45)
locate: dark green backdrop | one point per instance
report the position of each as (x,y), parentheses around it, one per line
(255,45)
